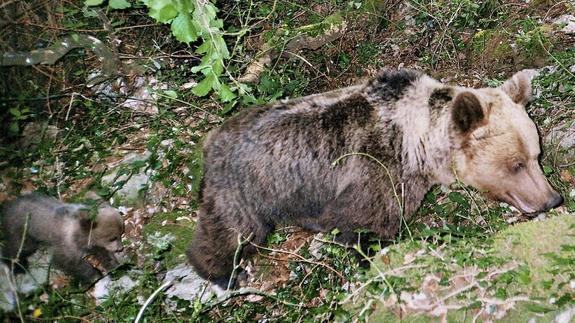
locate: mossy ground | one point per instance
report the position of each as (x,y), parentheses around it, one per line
(524,271)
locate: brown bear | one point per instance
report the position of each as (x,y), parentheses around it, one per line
(69,231)
(274,164)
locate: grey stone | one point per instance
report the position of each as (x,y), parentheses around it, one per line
(36,132)
(143,98)
(187,285)
(107,287)
(568,23)
(25,283)
(566,316)
(562,136)
(130,192)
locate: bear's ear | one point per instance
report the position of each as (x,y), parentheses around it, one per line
(518,87)
(467,112)
(87,221)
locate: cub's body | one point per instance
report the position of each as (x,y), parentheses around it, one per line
(67,230)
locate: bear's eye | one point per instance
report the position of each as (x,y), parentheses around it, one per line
(518,166)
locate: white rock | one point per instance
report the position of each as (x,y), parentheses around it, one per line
(568,21)
(33,279)
(144,98)
(187,285)
(563,134)
(107,287)
(130,191)
(35,132)
(566,316)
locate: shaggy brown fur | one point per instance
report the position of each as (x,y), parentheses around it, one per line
(272,164)
(33,221)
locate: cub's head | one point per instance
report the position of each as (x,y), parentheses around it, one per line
(497,145)
(105,230)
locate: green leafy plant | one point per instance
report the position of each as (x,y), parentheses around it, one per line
(191,20)
(112,4)
(17,116)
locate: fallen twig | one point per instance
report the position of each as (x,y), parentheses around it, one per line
(301,259)
(245,292)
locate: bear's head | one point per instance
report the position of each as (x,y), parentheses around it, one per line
(497,145)
(105,230)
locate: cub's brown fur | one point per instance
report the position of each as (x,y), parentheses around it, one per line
(272,164)
(33,221)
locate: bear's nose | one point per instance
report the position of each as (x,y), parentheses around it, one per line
(555,201)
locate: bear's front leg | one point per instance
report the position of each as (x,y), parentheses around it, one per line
(362,205)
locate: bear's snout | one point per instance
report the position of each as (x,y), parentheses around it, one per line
(554,202)
(530,204)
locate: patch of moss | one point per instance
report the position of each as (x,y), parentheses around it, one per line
(196,166)
(171,223)
(538,256)
(532,242)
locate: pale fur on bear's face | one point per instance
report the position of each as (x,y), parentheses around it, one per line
(500,153)
(108,230)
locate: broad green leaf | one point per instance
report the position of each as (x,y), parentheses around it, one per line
(226,95)
(268,85)
(205,86)
(209,10)
(15,112)
(244,89)
(218,23)
(13,128)
(547,170)
(524,276)
(220,46)
(136,165)
(190,20)
(119,4)
(184,29)
(218,66)
(204,48)
(228,107)
(171,93)
(88,13)
(457,198)
(90,3)
(161,10)
(205,69)
(249,99)
(538,308)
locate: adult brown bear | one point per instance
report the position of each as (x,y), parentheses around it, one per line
(273,164)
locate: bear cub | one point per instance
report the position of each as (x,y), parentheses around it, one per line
(67,230)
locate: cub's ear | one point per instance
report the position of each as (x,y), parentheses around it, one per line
(87,221)
(467,112)
(518,87)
